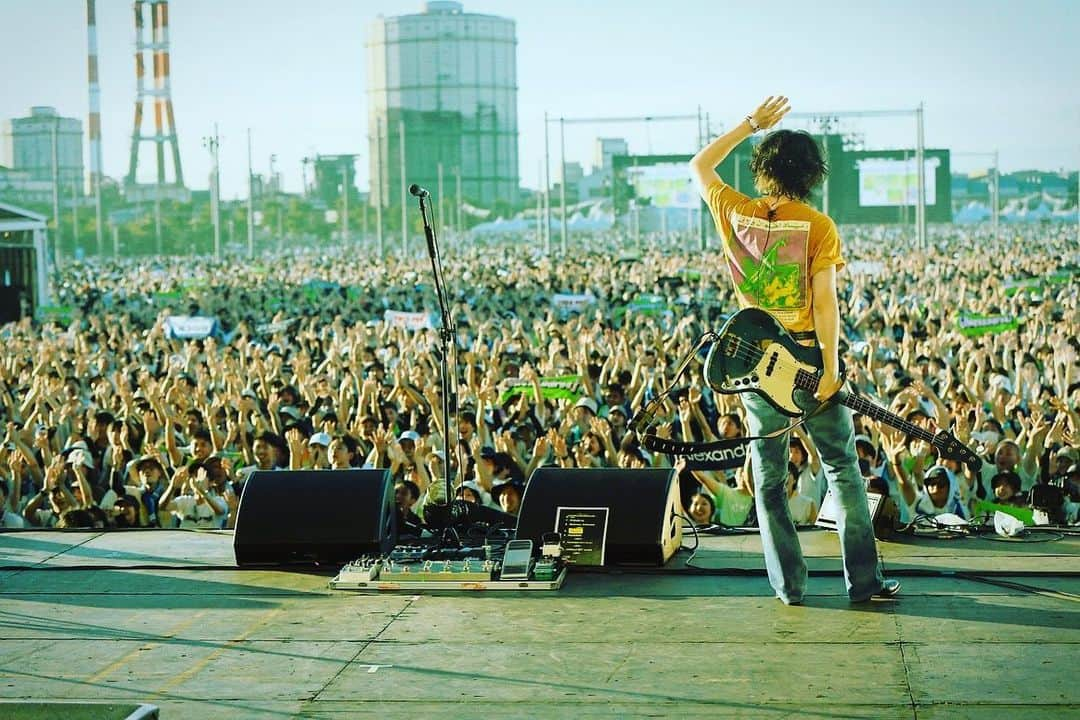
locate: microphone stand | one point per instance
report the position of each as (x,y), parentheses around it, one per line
(447,361)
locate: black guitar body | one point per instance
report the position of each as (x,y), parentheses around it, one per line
(756,353)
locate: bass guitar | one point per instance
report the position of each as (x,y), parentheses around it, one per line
(755,353)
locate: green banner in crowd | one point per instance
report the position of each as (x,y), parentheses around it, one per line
(561,387)
(972,325)
(56,313)
(646,304)
(1028,284)
(164,298)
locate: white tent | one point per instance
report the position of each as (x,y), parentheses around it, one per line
(24,268)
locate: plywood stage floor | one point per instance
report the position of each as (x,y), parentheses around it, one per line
(982,629)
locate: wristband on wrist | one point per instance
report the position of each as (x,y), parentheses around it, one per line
(753,126)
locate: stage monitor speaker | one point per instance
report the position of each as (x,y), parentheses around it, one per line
(315,516)
(10,306)
(644,524)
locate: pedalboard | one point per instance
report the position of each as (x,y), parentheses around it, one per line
(417,567)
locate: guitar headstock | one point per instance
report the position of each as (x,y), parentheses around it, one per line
(950,448)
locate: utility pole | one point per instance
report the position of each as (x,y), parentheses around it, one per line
(439,189)
(212,144)
(251,202)
(345,201)
(995,197)
(540,239)
(460,228)
(920,160)
(562,179)
(547,189)
(74,215)
(56,189)
(379,185)
(404,193)
(272,180)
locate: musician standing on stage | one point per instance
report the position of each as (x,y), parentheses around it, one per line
(783,256)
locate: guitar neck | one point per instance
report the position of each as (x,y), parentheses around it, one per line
(876,412)
(809,381)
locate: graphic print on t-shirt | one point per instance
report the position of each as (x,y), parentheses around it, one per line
(768,262)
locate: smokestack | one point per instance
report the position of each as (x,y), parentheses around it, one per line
(162,84)
(95,118)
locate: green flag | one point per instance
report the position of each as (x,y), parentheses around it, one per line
(561,387)
(56,313)
(972,324)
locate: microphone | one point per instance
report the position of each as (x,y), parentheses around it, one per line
(417,191)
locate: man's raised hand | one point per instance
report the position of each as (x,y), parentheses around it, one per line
(770,112)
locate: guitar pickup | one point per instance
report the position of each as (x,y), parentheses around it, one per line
(772,363)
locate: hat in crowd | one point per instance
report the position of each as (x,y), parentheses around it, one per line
(292,412)
(498,490)
(586,402)
(1001,382)
(248,392)
(475,487)
(936,475)
(147,461)
(487,453)
(411,435)
(128,501)
(621,409)
(319,438)
(1067,453)
(70,453)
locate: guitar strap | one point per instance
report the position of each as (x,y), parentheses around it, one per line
(701,452)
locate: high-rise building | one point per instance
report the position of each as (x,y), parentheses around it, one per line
(606,148)
(451,78)
(26,144)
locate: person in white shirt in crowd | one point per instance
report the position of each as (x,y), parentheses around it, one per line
(318,447)
(8,519)
(804,510)
(191,501)
(937,497)
(803,453)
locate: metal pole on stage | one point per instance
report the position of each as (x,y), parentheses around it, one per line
(920,160)
(562,179)
(547,189)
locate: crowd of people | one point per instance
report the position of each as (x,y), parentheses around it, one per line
(118,417)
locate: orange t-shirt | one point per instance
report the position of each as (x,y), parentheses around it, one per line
(772,261)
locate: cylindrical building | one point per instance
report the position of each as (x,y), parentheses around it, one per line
(451,76)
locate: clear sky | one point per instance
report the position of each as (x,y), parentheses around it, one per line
(993,74)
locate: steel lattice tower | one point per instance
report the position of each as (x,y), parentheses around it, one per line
(164,121)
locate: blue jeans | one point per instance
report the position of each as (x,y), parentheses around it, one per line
(833,433)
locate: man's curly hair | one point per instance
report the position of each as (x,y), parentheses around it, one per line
(788,163)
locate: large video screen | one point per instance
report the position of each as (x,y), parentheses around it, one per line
(888,182)
(881,186)
(666,185)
